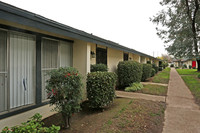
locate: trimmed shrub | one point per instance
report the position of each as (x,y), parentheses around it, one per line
(153,72)
(194,68)
(146,71)
(99,67)
(155,67)
(134,87)
(160,69)
(198,76)
(190,66)
(165,64)
(101,88)
(128,72)
(34,125)
(64,92)
(184,66)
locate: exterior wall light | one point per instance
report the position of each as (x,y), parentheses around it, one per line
(93,55)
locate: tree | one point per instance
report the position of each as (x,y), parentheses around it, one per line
(64,91)
(178,24)
(165,57)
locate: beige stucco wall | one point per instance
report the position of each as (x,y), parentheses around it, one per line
(143,60)
(134,57)
(113,58)
(150,60)
(81,56)
(156,62)
(130,56)
(81,60)
(189,62)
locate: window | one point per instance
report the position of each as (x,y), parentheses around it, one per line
(65,54)
(101,56)
(125,56)
(49,61)
(55,54)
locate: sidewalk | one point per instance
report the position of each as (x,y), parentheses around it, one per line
(151,83)
(140,96)
(182,115)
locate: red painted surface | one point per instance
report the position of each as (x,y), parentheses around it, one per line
(193,64)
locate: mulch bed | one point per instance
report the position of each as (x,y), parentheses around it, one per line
(124,115)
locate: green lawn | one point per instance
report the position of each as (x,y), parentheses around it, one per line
(154,90)
(190,78)
(162,77)
(187,71)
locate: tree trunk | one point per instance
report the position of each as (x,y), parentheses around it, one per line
(66,121)
(198,65)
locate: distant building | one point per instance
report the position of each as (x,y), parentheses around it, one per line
(187,61)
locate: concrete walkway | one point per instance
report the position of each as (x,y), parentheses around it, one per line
(151,83)
(11,121)
(140,96)
(182,114)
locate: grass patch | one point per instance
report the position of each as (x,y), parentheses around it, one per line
(162,77)
(187,71)
(154,90)
(191,80)
(193,84)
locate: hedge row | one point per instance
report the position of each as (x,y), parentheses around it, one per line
(98,67)
(132,71)
(147,69)
(101,84)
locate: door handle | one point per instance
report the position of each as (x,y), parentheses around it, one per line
(24,83)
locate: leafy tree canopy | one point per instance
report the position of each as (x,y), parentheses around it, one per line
(178,24)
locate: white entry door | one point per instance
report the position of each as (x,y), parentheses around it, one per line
(22,66)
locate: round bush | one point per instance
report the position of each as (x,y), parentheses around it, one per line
(155,67)
(101,88)
(147,69)
(128,73)
(153,72)
(99,67)
(184,66)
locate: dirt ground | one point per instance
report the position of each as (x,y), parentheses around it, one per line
(124,115)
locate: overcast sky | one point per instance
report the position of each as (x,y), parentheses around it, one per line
(123,21)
